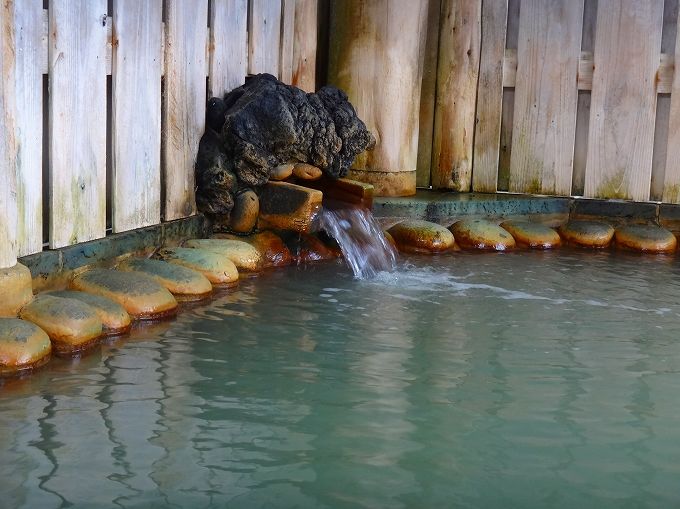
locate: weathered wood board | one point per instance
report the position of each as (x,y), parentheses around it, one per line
(136,122)
(228,45)
(546,96)
(670,190)
(304,44)
(508,106)
(264,33)
(28,25)
(623,100)
(77,120)
(454,115)
(287,41)
(489,96)
(184,102)
(8,149)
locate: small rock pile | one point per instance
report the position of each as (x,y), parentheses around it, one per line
(266,130)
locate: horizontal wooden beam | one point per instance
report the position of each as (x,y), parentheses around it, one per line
(664,76)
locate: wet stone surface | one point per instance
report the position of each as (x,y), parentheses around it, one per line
(23,346)
(274,251)
(115,320)
(649,238)
(17,289)
(481,234)
(181,281)
(416,236)
(218,269)
(592,234)
(142,297)
(532,235)
(244,256)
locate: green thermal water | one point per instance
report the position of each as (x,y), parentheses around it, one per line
(495,381)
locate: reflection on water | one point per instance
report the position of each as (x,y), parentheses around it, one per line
(515,380)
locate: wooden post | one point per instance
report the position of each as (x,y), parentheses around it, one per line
(304,45)
(8,176)
(376,57)
(454,115)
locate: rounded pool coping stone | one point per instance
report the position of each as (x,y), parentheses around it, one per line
(16,286)
(115,320)
(23,347)
(481,234)
(532,235)
(184,283)
(218,269)
(273,249)
(645,238)
(141,296)
(72,325)
(421,237)
(244,256)
(587,233)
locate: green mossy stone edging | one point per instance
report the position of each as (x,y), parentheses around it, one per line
(481,234)
(244,256)
(532,235)
(418,236)
(72,325)
(23,346)
(115,320)
(590,234)
(182,282)
(16,288)
(647,238)
(218,269)
(142,297)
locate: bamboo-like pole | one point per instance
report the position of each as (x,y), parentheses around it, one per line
(376,57)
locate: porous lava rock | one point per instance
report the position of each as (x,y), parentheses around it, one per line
(266,123)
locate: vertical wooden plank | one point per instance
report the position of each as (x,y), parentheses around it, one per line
(183,102)
(508,106)
(28,23)
(304,44)
(228,44)
(489,96)
(457,72)
(671,186)
(287,37)
(546,96)
(623,100)
(427,95)
(264,34)
(77,130)
(583,107)
(8,149)
(136,122)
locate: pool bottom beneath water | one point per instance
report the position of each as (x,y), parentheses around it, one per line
(489,380)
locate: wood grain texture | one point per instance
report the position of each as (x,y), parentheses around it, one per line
(546,96)
(489,96)
(264,34)
(454,114)
(671,181)
(427,95)
(304,44)
(136,122)
(376,57)
(287,41)
(228,45)
(508,107)
(623,100)
(77,120)
(28,24)
(183,102)
(8,142)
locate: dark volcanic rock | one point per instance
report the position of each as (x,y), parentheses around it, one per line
(265,123)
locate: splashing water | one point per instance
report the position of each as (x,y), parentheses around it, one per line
(363,244)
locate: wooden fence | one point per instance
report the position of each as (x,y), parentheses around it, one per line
(103,110)
(559,97)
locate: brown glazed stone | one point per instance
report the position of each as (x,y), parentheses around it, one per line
(115,320)
(274,251)
(344,190)
(243,217)
(218,269)
(305,171)
(16,289)
(648,238)
(416,236)
(23,346)
(533,235)
(244,256)
(183,282)
(142,297)
(390,239)
(592,234)
(72,325)
(307,248)
(481,234)
(286,206)
(281,172)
